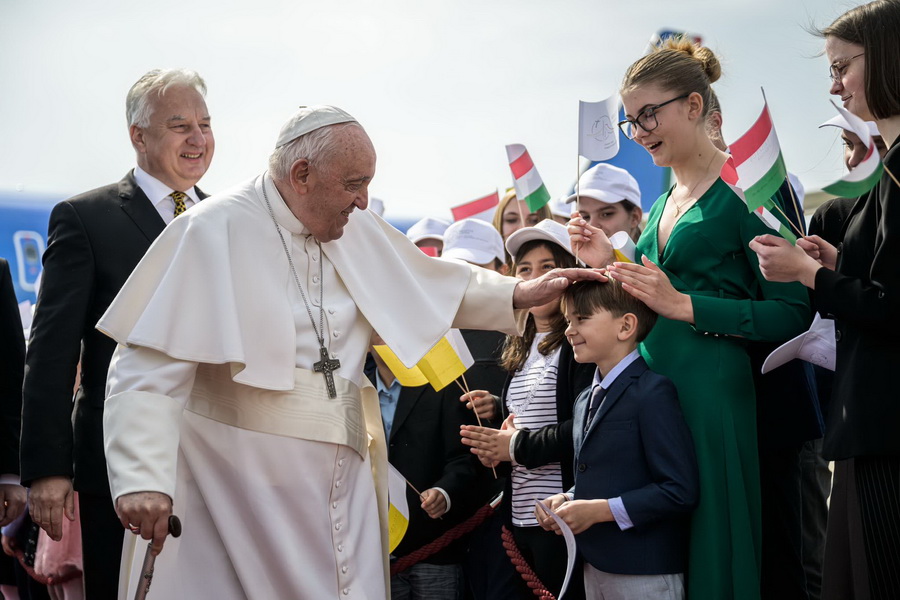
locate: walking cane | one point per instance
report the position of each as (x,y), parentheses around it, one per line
(149,560)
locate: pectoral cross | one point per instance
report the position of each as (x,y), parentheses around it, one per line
(326,366)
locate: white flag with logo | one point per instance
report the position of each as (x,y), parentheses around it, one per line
(598,130)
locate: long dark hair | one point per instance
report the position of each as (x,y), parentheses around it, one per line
(516,348)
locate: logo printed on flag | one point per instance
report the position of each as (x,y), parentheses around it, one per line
(526,179)
(867,173)
(758,162)
(598,133)
(482,208)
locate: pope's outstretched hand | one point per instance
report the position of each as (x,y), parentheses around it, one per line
(550,286)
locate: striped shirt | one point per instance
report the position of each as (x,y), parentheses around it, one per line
(532,398)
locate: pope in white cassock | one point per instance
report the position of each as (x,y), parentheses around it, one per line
(236,394)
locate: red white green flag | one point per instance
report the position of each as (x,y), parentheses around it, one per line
(766,216)
(526,179)
(482,208)
(758,161)
(867,173)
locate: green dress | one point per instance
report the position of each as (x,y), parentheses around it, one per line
(707,257)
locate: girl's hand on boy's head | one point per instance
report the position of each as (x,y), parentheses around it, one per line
(648,283)
(579,515)
(589,243)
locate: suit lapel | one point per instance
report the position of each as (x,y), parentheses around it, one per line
(405,404)
(578,416)
(617,389)
(139,208)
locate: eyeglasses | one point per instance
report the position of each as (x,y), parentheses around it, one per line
(837,68)
(646,119)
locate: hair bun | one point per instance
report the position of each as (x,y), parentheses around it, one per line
(708,60)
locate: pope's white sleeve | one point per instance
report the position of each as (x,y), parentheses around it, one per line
(488,303)
(146,392)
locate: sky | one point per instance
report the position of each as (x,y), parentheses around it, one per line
(441,86)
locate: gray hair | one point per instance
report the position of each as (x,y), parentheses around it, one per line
(138,104)
(314,146)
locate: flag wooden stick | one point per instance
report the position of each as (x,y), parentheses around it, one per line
(474,410)
(891,175)
(577,195)
(791,223)
(796,206)
(417,492)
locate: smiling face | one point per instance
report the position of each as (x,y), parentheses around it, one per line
(676,122)
(326,193)
(594,338)
(850,84)
(611,218)
(178,144)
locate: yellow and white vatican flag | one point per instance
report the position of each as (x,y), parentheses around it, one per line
(443,364)
(398,509)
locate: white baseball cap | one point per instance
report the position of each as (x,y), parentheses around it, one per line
(609,184)
(840,122)
(428,228)
(548,230)
(474,241)
(310,118)
(560,207)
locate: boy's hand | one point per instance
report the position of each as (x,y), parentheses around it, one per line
(433,503)
(579,515)
(545,520)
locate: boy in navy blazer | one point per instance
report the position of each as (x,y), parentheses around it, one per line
(636,479)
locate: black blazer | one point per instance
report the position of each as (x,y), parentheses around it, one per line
(425,447)
(863,295)
(638,447)
(12,365)
(95,241)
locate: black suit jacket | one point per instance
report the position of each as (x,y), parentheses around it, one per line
(12,365)
(425,447)
(637,447)
(863,295)
(95,241)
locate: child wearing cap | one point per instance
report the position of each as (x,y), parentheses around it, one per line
(636,479)
(609,198)
(534,445)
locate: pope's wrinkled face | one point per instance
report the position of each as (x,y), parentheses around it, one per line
(337,184)
(178,144)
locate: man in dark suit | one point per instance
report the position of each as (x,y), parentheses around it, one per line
(12,364)
(95,241)
(422,429)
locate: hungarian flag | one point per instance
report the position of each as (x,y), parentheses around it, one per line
(766,216)
(867,173)
(482,208)
(757,159)
(528,183)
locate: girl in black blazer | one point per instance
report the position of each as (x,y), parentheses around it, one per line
(857,283)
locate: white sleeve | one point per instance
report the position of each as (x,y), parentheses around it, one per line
(146,393)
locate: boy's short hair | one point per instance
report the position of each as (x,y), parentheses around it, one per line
(585,298)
